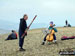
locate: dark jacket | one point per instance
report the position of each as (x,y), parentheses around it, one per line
(12,36)
(22,25)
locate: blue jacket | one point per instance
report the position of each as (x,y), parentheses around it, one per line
(52,28)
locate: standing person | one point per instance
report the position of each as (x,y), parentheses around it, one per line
(22,30)
(66,23)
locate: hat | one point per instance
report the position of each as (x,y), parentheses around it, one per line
(51,22)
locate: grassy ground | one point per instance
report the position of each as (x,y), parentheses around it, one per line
(33,46)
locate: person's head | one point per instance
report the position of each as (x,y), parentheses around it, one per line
(25,17)
(13,31)
(51,23)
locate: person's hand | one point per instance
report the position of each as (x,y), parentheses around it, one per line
(28,27)
(26,33)
(49,30)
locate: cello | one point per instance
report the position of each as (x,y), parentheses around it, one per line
(50,36)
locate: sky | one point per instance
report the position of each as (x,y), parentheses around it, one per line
(46,10)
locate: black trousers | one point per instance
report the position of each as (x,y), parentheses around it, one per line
(21,40)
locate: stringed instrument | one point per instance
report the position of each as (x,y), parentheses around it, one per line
(29,26)
(50,36)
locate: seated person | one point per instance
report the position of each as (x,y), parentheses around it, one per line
(12,36)
(51,27)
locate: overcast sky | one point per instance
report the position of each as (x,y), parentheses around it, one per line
(46,11)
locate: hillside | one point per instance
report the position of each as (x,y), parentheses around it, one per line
(33,46)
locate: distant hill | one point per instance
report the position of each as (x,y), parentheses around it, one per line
(4,31)
(15,26)
(8,25)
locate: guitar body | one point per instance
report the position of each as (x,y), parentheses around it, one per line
(50,36)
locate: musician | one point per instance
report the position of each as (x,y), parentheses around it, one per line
(50,28)
(22,30)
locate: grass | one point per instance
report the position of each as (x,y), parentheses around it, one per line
(32,44)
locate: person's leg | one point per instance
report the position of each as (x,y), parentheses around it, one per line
(54,37)
(21,41)
(44,40)
(8,38)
